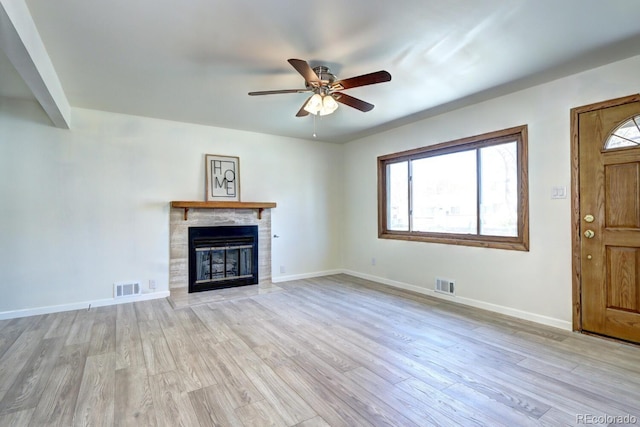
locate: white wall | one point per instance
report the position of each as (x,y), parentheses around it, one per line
(83,208)
(535,284)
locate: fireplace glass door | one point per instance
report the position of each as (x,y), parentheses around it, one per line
(222,257)
(217,263)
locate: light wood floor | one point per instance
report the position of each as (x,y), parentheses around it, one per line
(333,351)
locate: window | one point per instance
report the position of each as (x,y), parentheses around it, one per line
(625,135)
(471,192)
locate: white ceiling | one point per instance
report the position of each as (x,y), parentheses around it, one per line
(195,60)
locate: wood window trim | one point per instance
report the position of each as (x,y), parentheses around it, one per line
(519,243)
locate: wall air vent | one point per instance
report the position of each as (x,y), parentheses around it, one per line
(445,286)
(125,289)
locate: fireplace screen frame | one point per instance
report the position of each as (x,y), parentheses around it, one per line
(215,246)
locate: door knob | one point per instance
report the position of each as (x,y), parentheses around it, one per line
(589,234)
(589,218)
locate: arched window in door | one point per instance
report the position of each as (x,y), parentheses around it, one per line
(625,135)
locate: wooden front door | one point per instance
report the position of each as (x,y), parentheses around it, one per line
(609,218)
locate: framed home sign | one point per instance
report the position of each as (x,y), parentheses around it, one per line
(222,178)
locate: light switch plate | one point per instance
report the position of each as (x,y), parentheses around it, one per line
(559,192)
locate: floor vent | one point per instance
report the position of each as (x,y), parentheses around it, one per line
(126,289)
(445,286)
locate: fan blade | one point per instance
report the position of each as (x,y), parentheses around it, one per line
(302,112)
(305,71)
(356,103)
(274,92)
(363,80)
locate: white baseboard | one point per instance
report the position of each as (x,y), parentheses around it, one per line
(305,276)
(85,305)
(520,314)
(525,315)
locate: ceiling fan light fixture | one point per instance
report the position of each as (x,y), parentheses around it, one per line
(329,105)
(314,105)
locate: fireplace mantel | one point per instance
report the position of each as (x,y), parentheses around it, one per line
(186,205)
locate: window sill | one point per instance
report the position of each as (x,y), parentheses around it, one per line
(493,242)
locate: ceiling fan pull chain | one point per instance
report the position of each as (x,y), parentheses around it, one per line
(314,125)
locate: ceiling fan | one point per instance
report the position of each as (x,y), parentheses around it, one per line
(327,90)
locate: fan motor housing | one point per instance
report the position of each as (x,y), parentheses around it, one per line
(324,75)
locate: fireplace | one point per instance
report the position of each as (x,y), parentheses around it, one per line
(222,257)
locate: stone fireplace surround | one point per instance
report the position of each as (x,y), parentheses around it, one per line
(178,236)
